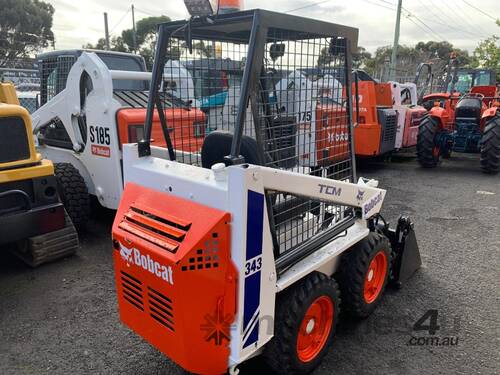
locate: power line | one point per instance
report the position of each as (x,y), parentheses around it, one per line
(420,27)
(437,4)
(380,5)
(445,23)
(479,10)
(307,6)
(119,22)
(410,14)
(145,12)
(462,18)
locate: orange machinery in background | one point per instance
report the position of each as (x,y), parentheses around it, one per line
(375,133)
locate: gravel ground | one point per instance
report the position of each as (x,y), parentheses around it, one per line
(62,318)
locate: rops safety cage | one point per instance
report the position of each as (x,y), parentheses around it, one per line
(276,91)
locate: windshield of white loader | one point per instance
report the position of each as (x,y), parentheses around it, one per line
(264,105)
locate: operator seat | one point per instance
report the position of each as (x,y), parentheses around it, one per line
(217,145)
(469,107)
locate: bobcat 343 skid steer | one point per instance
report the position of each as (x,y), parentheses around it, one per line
(31,214)
(248,247)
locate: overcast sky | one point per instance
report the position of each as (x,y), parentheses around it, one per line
(79,22)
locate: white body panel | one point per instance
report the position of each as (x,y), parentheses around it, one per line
(404,95)
(178,81)
(99,159)
(230,189)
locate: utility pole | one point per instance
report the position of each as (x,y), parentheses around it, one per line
(134,32)
(106,30)
(392,73)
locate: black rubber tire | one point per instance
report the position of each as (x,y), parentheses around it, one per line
(291,306)
(490,146)
(353,269)
(73,193)
(425,142)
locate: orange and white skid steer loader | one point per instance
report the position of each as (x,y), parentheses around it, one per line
(252,252)
(93,102)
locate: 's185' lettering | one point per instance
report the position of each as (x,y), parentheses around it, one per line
(99,135)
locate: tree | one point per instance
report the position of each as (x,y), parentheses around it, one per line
(25,28)
(202,49)
(145,33)
(145,40)
(324,57)
(487,55)
(115,44)
(410,57)
(360,57)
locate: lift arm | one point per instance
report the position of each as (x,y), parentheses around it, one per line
(363,195)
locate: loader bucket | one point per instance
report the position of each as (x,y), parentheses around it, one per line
(407,255)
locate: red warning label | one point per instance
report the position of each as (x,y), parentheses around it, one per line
(103,151)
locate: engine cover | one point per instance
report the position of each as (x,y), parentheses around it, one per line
(175,281)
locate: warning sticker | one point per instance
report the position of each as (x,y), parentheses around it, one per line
(103,151)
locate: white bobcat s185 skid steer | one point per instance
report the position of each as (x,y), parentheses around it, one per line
(93,102)
(252,252)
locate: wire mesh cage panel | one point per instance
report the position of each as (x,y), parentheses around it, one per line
(275,91)
(53,76)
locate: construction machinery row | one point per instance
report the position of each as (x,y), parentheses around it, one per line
(463,116)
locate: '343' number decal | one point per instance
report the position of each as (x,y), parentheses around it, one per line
(253,265)
(99,135)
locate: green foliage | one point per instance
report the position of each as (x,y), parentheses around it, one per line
(202,50)
(487,55)
(25,28)
(359,58)
(145,39)
(115,44)
(410,57)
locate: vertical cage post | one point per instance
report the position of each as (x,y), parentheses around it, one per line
(348,73)
(251,73)
(153,98)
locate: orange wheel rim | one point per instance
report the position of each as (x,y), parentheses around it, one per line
(435,151)
(375,277)
(315,329)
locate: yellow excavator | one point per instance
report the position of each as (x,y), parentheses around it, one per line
(33,222)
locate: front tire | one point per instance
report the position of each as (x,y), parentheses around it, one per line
(428,152)
(490,146)
(364,273)
(305,322)
(73,193)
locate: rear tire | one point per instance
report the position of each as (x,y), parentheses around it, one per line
(490,146)
(73,193)
(428,152)
(305,321)
(364,273)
